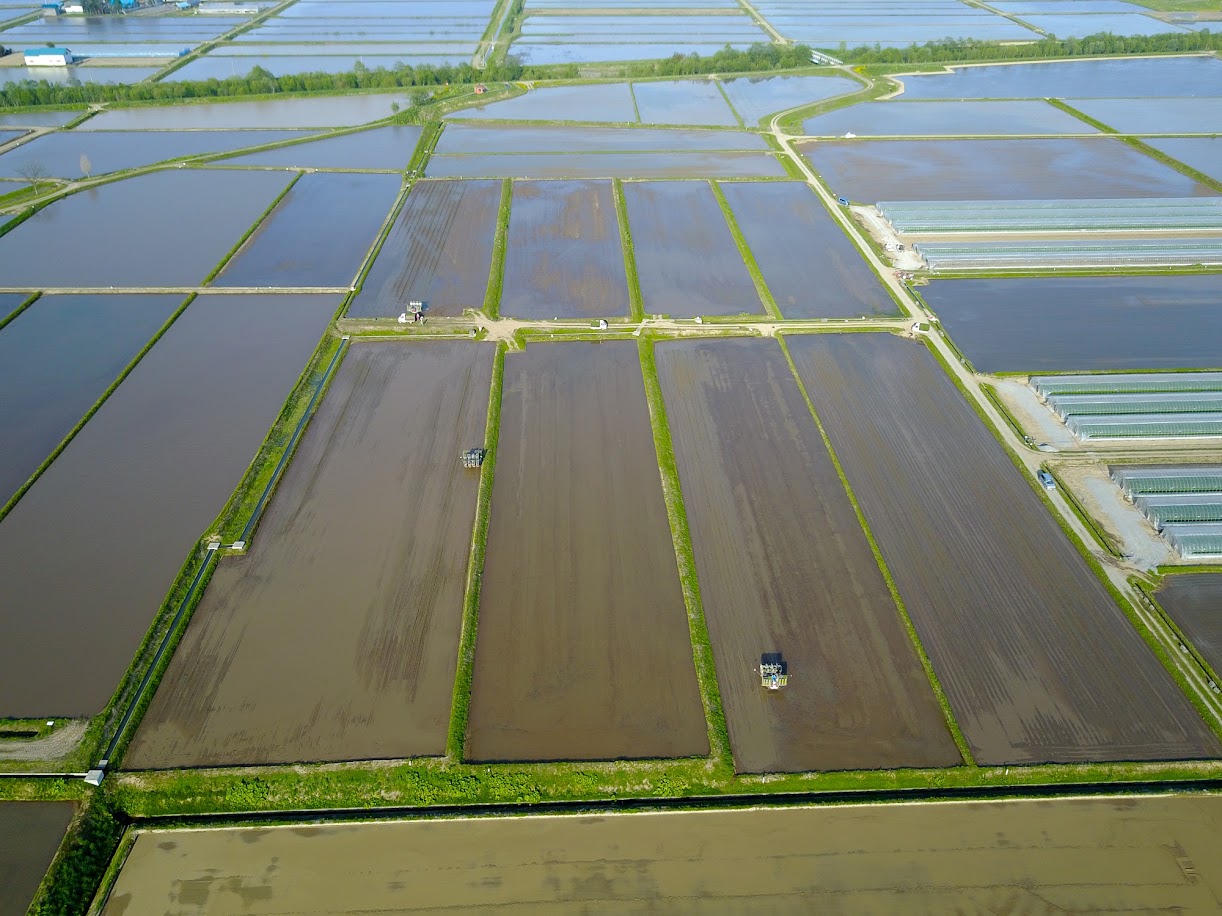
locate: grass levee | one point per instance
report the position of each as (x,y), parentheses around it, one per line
(496,273)
(753,268)
(635,305)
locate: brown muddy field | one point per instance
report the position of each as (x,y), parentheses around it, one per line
(563,256)
(439,251)
(685,255)
(1075,169)
(337,636)
(1037,660)
(30,834)
(784,566)
(1157,854)
(583,650)
(88,554)
(1194,602)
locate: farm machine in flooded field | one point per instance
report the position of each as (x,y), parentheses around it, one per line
(773,671)
(473,457)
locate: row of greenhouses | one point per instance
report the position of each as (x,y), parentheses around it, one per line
(1147,406)
(1183,503)
(938,217)
(1023,253)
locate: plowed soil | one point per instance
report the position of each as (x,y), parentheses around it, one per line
(439,252)
(1194,602)
(784,566)
(583,650)
(336,638)
(1037,660)
(563,257)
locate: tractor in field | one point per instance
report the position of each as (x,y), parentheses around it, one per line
(773,671)
(473,457)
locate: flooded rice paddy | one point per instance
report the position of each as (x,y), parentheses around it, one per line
(334,111)
(609,165)
(30,834)
(1072,169)
(160,247)
(9,303)
(549,52)
(38,118)
(1074,855)
(1116,78)
(1155,116)
(56,359)
(563,256)
(784,566)
(946,119)
(488,139)
(111,151)
(583,650)
(1067,25)
(685,102)
(382,148)
(1038,661)
(756,97)
(1193,602)
(123,505)
(686,258)
(1201,153)
(439,252)
(808,263)
(1080,324)
(596,102)
(336,637)
(318,235)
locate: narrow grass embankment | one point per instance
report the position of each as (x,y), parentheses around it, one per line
(376,248)
(237,521)
(729,104)
(636,307)
(934,682)
(1211,716)
(1146,594)
(25,304)
(753,268)
(793,171)
(496,271)
(464,674)
(676,511)
(94,408)
(232,252)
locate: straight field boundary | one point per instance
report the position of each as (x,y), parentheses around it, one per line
(636,307)
(685,558)
(259,220)
(496,272)
(910,628)
(753,268)
(464,673)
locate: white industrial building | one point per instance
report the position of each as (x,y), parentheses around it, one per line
(48,57)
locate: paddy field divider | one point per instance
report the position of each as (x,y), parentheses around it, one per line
(753,268)
(636,307)
(935,683)
(496,270)
(464,672)
(685,559)
(229,255)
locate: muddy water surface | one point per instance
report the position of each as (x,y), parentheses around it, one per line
(563,256)
(583,650)
(336,637)
(1194,602)
(383,148)
(90,551)
(1086,856)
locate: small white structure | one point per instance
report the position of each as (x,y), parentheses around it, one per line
(48,57)
(74,9)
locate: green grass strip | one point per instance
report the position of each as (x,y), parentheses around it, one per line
(97,405)
(496,272)
(1154,604)
(424,147)
(753,268)
(636,306)
(636,109)
(224,262)
(702,647)
(464,674)
(11,316)
(376,249)
(729,104)
(909,626)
